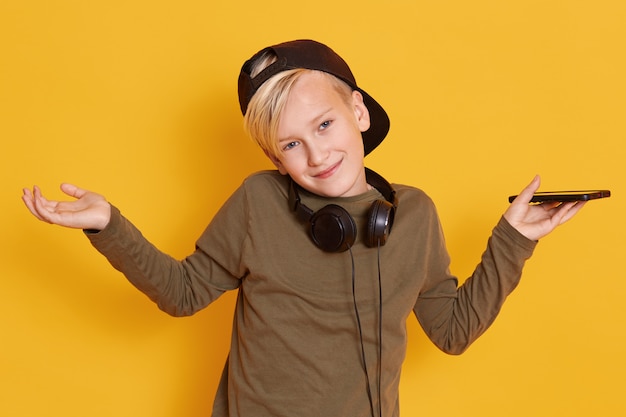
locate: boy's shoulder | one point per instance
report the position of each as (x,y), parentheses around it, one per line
(261,190)
(409,190)
(266,182)
(412,196)
(269,176)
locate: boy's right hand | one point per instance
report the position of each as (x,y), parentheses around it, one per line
(88,211)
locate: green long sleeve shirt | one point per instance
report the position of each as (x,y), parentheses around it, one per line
(300,330)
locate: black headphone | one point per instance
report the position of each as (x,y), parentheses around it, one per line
(332,228)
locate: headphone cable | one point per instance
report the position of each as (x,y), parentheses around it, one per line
(358,321)
(380,334)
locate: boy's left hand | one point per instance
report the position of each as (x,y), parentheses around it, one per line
(537,220)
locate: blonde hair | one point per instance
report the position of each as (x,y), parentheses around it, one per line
(266,105)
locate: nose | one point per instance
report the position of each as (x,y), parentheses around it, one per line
(317,153)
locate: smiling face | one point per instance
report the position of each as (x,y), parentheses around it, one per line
(319,136)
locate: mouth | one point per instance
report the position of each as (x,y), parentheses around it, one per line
(328,172)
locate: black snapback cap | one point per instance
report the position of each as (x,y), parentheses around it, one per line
(313,55)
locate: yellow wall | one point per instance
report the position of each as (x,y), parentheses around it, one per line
(137,100)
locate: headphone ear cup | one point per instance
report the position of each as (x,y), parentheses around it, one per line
(380,220)
(333,229)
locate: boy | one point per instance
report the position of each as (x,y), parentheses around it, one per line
(329,260)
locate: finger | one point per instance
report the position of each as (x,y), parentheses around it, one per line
(39,200)
(44,207)
(28,200)
(561,214)
(549,206)
(27,196)
(73,190)
(527,193)
(571,211)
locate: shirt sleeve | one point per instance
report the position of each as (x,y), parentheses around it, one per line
(178,287)
(453,317)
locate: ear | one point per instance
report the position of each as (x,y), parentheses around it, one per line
(360,111)
(279,166)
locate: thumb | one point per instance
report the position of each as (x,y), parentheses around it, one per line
(73,190)
(527,193)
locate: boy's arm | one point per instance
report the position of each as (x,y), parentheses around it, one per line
(454,317)
(179,288)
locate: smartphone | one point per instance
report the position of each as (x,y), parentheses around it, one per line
(563,196)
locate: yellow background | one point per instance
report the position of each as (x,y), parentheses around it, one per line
(137,100)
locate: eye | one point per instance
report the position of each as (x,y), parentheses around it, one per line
(290,145)
(325,124)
